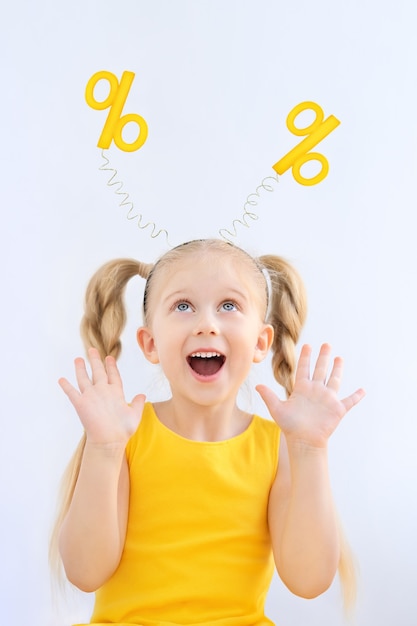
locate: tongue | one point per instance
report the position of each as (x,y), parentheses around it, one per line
(206,367)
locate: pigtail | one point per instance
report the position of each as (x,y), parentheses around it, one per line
(101,327)
(287,314)
(104,310)
(347,571)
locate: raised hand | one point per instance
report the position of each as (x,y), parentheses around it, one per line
(314,410)
(100,403)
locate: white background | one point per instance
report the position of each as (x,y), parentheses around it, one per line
(215,81)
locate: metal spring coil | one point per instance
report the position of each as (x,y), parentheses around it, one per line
(251,200)
(126,202)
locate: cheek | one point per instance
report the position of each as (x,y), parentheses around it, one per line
(168,342)
(245,335)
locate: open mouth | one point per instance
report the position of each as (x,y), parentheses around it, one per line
(206,363)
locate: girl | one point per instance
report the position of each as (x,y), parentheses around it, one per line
(176,512)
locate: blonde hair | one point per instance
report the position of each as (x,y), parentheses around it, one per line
(281,293)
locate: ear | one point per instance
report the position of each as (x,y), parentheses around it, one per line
(147,344)
(265,339)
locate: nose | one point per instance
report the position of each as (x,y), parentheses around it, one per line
(206,324)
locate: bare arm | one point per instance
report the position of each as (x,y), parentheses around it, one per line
(302,522)
(302,518)
(93,532)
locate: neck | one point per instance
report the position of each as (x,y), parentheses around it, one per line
(202,423)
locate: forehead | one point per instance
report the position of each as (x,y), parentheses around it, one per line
(196,271)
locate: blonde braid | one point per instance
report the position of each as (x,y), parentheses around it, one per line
(288,310)
(105,314)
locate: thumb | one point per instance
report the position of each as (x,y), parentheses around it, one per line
(138,403)
(271,400)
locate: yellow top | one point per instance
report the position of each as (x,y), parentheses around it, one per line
(197,547)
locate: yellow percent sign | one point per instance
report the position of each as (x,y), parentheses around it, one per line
(115,122)
(316,131)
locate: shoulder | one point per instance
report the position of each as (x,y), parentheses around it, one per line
(266,436)
(264,427)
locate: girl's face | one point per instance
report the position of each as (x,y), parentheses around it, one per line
(206,328)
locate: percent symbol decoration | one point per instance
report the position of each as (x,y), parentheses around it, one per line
(115,122)
(298,156)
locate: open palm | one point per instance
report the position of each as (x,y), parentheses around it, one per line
(100,403)
(313,410)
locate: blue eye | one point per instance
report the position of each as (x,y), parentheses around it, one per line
(182,306)
(229,306)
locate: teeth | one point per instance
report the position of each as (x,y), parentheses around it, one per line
(205,355)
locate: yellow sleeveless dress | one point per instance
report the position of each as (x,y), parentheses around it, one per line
(197,548)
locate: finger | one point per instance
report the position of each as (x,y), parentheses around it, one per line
(112,370)
(72,393)
(322,364)
(138,403)
(353,399)
(303,365)
(271,400)
(98,371)
(335,377)
(81,374)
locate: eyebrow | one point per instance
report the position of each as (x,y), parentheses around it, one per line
(184,293)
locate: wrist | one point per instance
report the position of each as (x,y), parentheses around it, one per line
(300,448)
(115,449)
(297,443)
